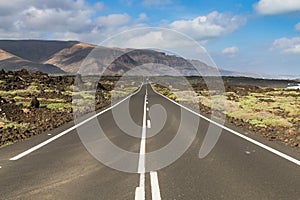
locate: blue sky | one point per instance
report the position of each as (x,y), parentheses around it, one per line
(243,35)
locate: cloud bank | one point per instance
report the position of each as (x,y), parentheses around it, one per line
(80,20)
(213,25)
(287,45)
(274,7)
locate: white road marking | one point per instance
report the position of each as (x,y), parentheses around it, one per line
(148,123)
(139,193)
(140,190)
(141,168)
(270,149)
(0,167)
(155,191)
(21,155)
(147,109)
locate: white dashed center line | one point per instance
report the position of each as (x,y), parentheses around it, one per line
(140,190)
(148,123)
(155,186)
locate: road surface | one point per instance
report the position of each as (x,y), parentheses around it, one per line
(63,168)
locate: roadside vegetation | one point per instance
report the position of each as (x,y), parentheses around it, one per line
(271,112)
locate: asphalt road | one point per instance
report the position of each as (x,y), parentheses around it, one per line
(64,169)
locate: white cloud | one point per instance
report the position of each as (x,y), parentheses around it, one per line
(161,39)
(149,38)
(213,25)
(297,27)
(56,19)
(202,29)
(273,7)
(113,20)
(231,51)
(39,19)
(75,20)
(287,45)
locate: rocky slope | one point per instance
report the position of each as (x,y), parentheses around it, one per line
(69,59)
(12,62)
(34,50)
(67,56)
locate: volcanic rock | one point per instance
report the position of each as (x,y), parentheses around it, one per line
(34,103)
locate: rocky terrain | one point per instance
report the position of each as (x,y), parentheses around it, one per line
(32,103)
(266,110)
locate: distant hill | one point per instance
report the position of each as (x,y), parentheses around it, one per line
(35,50)
(30,54)
(12,62)
(57,57)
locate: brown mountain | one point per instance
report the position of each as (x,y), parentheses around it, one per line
(57,57)
(12,62)
(30,54)
(67,56)
(34,50)
(70,57)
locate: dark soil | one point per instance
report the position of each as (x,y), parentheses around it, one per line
(35,119)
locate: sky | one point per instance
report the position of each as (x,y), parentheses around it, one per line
(261,36)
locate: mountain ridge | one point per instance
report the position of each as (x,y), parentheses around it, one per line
(59,57)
